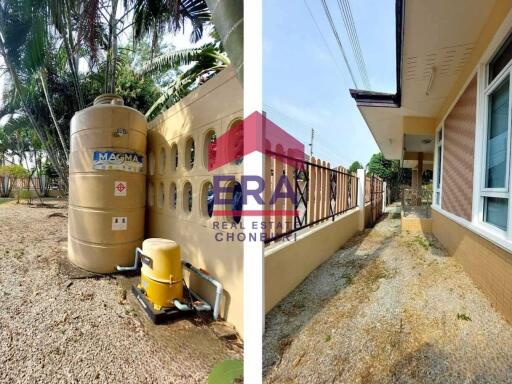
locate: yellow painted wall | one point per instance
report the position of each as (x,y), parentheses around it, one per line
(489,266)
(288,264)
(216,105)
(416,224)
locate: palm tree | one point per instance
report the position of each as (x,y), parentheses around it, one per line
(206,61)
(23,37)
(153,17)
(228,18)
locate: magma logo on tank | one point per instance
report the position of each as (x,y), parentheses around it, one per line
(123,161)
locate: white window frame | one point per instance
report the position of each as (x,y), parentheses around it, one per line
(438,171)
(485,89)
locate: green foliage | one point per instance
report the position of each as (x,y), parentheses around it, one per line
(24,194)
(151,18)
(385,169)
(48,170)
(205,62)
(355,166)
(422,241)
(226,372)
(463,316)
(43,43)
(14,171)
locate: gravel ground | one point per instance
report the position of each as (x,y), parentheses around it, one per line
(56,328)
(387,308)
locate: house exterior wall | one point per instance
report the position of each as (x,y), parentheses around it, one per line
(458,156)
(486,258)
(216,105)
(489,266)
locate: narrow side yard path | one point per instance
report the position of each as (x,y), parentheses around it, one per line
(387,308)
(56,328)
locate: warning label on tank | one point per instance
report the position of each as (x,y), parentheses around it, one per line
(119,223)
(119,161)
(120,188)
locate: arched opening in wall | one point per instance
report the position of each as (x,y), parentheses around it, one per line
(237,140)
(151,195)
(234,197)
(162,161)
(190,149)
(209,148)
(173,195)
(187,197)
(207,200)
(151,164)
(161,196)
(174,157)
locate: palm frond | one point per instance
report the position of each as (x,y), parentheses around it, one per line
(153,17)
(172,59)
(182,85)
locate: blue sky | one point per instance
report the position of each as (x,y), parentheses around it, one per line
(306,82)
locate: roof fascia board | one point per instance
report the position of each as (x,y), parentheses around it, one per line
(379,99)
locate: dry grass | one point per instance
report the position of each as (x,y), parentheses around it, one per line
(399,311)
(58,327)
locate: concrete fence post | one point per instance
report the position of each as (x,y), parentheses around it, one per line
(361,177)
(384,196)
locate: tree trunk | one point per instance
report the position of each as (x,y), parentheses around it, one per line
(113,31)
(67,37)
(57,127)
(228,18)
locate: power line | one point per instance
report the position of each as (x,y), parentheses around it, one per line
(358,44)
(336,62)
(348,21)
(337,37)
(323,147)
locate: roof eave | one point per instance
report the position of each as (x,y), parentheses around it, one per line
(375,99)
(380,99)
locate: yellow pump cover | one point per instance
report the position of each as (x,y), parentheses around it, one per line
(161,272)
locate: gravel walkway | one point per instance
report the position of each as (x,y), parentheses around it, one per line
(387,308)
(57,329)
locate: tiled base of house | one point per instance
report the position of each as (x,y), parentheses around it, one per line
(489,266)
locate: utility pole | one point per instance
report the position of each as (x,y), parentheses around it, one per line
(311,143)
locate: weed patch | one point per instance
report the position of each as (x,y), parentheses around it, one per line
(463,316)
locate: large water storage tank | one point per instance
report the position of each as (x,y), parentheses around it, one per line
(107,185)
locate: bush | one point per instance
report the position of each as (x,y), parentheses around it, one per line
(25,195)
(14,171)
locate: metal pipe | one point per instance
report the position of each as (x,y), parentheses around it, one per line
(135,265)
(204,306)
(182,307)
(211,280)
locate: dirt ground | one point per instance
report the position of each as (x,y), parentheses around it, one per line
(56,327)
(387,308)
